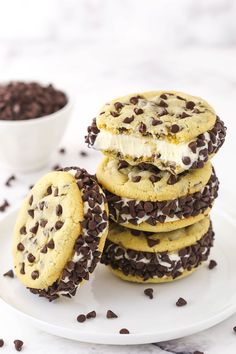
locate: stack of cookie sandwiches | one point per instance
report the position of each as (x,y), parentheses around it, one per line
(159,182)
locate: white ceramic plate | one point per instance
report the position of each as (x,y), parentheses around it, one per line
(211,296)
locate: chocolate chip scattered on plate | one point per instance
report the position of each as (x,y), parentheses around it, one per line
(212,264)
(81,318)
(83,153)
(111,314)
(124,331)
(181,302)
(149,293)
(1,343)
(18,344)
(91,314)
(4,206)
(9,274)
(9,180)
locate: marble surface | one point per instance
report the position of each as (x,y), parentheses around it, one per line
(98,50)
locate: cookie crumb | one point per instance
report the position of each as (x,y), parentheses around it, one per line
(91,314)
(181,302)
(111,314)
(81,318)
(149,293)
(9,274)
(124,331)
(18,344)
(212,264)
(9,180)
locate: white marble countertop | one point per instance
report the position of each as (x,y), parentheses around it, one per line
(98,57)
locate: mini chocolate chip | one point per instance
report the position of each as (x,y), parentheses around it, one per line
(162,104)
(34,229)
(142,128)
(156,122)
(212,264)
(122,164)
(51,244)
(118,106)
(58,210)
(91,314)
(163,96)
(114,114)
(59,224)
(31,200)
(1,343)
(22,270)
(49,190)
(181,302)
(81,318)
(31,212)
(43,222)
(20,247)
(134,100)
(186,160)
(35,274)
(174,128)
(149,292)
(124,331)
(193,146)
(9,274)
(184,115)
(154,178)
(23,230)
(136,179)
(111,314)
(44,249)
(151,242)
(62,151)
(148,207)
(31,258)
(128,120)
(172,179)
(18,344)
(190,105)
(138,111)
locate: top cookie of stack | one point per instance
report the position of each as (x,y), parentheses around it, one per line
(171,130)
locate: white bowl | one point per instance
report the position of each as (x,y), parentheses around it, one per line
(26,145)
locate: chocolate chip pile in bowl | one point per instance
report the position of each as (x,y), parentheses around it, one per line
(28,100)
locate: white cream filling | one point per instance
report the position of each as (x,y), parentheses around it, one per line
(137,147)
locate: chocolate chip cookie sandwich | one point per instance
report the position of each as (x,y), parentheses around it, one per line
(171,130)
(143,257)
(145,198)
(60,233)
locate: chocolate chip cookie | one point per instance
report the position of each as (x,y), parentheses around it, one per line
(60,232)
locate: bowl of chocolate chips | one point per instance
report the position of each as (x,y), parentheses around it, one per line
(33,119)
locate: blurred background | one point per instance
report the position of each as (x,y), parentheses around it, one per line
(100,49)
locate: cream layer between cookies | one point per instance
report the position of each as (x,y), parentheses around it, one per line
(137,147)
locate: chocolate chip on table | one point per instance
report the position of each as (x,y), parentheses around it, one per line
(81,318)
(186,160)
(151,242)
(181,302)
(22,101)
(174,128)
(91,314)
(9,180)
(149,292)
(128,120)
(18,344)
(124,331)
(111,314)
(4,206)
(62,151)
(56,167)
(212,264)
(136,179)
(1,343)
(31,186)
(83,153)
(234,329)
(9,274)
(197,352)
